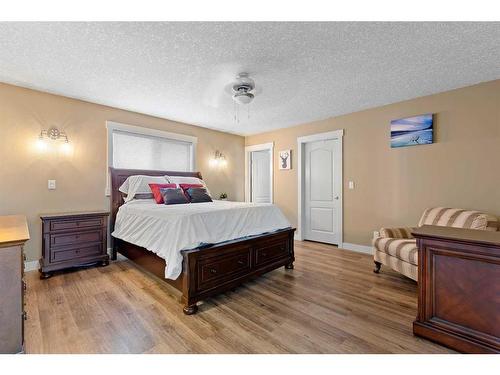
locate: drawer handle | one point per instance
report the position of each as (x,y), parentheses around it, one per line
(240,262)
(213,270)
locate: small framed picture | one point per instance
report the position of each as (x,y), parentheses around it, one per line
(285,161)
(412,131)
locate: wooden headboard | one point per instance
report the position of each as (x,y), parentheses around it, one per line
(118,177)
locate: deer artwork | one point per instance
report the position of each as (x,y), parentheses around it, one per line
(284,159)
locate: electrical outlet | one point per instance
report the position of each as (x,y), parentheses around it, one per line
(351,185)
(52,184)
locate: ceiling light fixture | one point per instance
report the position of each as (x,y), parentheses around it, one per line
(242,93)
(242,87)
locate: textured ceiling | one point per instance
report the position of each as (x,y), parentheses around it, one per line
(303,71)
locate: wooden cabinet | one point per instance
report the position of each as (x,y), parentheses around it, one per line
(72,240)
(459,288)
(13,234)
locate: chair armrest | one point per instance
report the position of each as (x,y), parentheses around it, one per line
(402,233)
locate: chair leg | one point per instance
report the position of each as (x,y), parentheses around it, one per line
(377,266)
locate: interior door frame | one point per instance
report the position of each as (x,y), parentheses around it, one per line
(260,147)
(301,142)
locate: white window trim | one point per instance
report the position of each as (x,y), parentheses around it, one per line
(112,126)
(301,141)
(261,147)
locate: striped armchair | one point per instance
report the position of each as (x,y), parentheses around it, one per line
(397,249)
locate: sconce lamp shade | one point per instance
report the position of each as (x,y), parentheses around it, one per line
(219,160)
(41,144)
(66,148)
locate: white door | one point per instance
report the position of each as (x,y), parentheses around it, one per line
(322,191)
(260,176)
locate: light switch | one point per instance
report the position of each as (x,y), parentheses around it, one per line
(351,185)
(52,185)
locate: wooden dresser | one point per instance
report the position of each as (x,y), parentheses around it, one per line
(73,240)
(13,234)
(459,288)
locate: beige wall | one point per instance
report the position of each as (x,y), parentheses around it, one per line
(81,178)
(393,186)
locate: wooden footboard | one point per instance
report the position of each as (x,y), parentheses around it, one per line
(214,269)
(218,268)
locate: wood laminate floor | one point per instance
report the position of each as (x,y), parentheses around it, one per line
(331,302)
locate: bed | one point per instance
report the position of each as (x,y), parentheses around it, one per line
(212,264)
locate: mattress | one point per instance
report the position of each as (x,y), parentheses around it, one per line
(166,230)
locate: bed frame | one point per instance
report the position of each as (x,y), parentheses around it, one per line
(206,270)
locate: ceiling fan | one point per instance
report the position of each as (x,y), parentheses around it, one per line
(242,89)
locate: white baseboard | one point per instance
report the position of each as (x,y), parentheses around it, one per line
(347,246)
(357,248)
(31,265)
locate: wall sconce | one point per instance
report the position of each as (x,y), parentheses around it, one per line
(219,160)
(53,135)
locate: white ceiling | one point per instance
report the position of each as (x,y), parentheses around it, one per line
(303,71)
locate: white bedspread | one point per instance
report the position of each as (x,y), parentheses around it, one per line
(168,229)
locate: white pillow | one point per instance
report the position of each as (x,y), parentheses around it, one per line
(187,180)
(139,184)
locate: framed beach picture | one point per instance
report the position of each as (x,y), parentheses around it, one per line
(285,161)
(412,131)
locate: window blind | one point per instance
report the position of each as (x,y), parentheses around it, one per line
(139,151)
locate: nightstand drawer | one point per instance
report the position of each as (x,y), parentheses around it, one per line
(62,255)
(75,224)
(75,238)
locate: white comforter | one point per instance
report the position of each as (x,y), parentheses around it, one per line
(168,229)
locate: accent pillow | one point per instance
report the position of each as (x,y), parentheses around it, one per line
(184,187)
(138,185)
(155,188)
(187,180)
(173,196)
(198,195)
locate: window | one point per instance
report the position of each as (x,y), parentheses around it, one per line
(132,147)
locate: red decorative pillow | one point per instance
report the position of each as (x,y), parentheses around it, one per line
(155,189)
(184,187)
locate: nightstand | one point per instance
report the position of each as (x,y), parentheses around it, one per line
(73,240)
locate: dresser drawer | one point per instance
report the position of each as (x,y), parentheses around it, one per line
(271,252)
(63,239)
(225,267)
(62,255)
(75,224)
